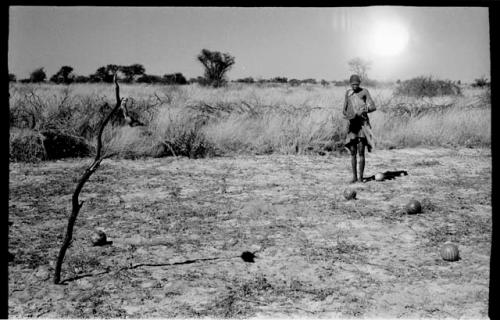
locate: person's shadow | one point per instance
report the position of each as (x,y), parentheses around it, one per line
(388,175)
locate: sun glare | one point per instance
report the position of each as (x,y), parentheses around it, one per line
(388,38)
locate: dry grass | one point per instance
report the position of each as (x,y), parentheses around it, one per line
(197,121)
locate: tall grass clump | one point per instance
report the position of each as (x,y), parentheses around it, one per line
(426,87)
(315,131)
(173,131)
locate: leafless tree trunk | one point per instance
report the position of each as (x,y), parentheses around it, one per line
(76,204)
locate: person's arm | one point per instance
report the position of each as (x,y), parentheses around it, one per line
(344,110)
(370,104)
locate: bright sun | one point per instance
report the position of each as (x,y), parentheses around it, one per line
(388,38)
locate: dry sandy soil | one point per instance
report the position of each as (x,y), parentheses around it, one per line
(318,255)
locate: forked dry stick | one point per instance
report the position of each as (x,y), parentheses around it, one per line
(76,204)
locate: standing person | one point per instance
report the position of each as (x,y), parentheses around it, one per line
(358,103)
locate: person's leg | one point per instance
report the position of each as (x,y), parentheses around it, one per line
(361,151)
(353,149)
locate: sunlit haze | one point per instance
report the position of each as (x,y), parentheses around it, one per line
(401,42)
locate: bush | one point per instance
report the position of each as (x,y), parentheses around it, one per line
(183,133)
(173,132)
(480,83)
(82,79)
(64,75)
(246,80)
(146,78)
(426,87)
(310,81)
(26,145)
(175,78)
(59,145)
(279,80)
(38,75)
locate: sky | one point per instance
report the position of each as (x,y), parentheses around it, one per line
(399,42)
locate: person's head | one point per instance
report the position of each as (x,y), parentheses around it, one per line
(355,80)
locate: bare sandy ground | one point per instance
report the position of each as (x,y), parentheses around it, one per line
(318,255)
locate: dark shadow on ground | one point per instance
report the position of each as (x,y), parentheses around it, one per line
(388,175)
(245,256)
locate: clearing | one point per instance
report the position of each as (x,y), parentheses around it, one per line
(317,253)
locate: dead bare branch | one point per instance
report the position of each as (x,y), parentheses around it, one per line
(76,204)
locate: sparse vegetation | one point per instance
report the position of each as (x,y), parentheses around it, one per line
(247,118)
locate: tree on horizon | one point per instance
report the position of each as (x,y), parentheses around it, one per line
(216,66)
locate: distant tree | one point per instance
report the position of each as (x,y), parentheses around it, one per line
(111,70)
(81,79)
(279,79)
(216,66)
(309,80)
(38,75)
(359,67)
(168,79)
(12,77)
(99,75)
(132,71)
(199,80)
(180,79)
(246,80)
(93,78)
(459,82)
(54,78)
(480,82)
(63,75)
(146,78)
(294,82)
(175,78)
(324,83)
(143,79)
(105,74)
